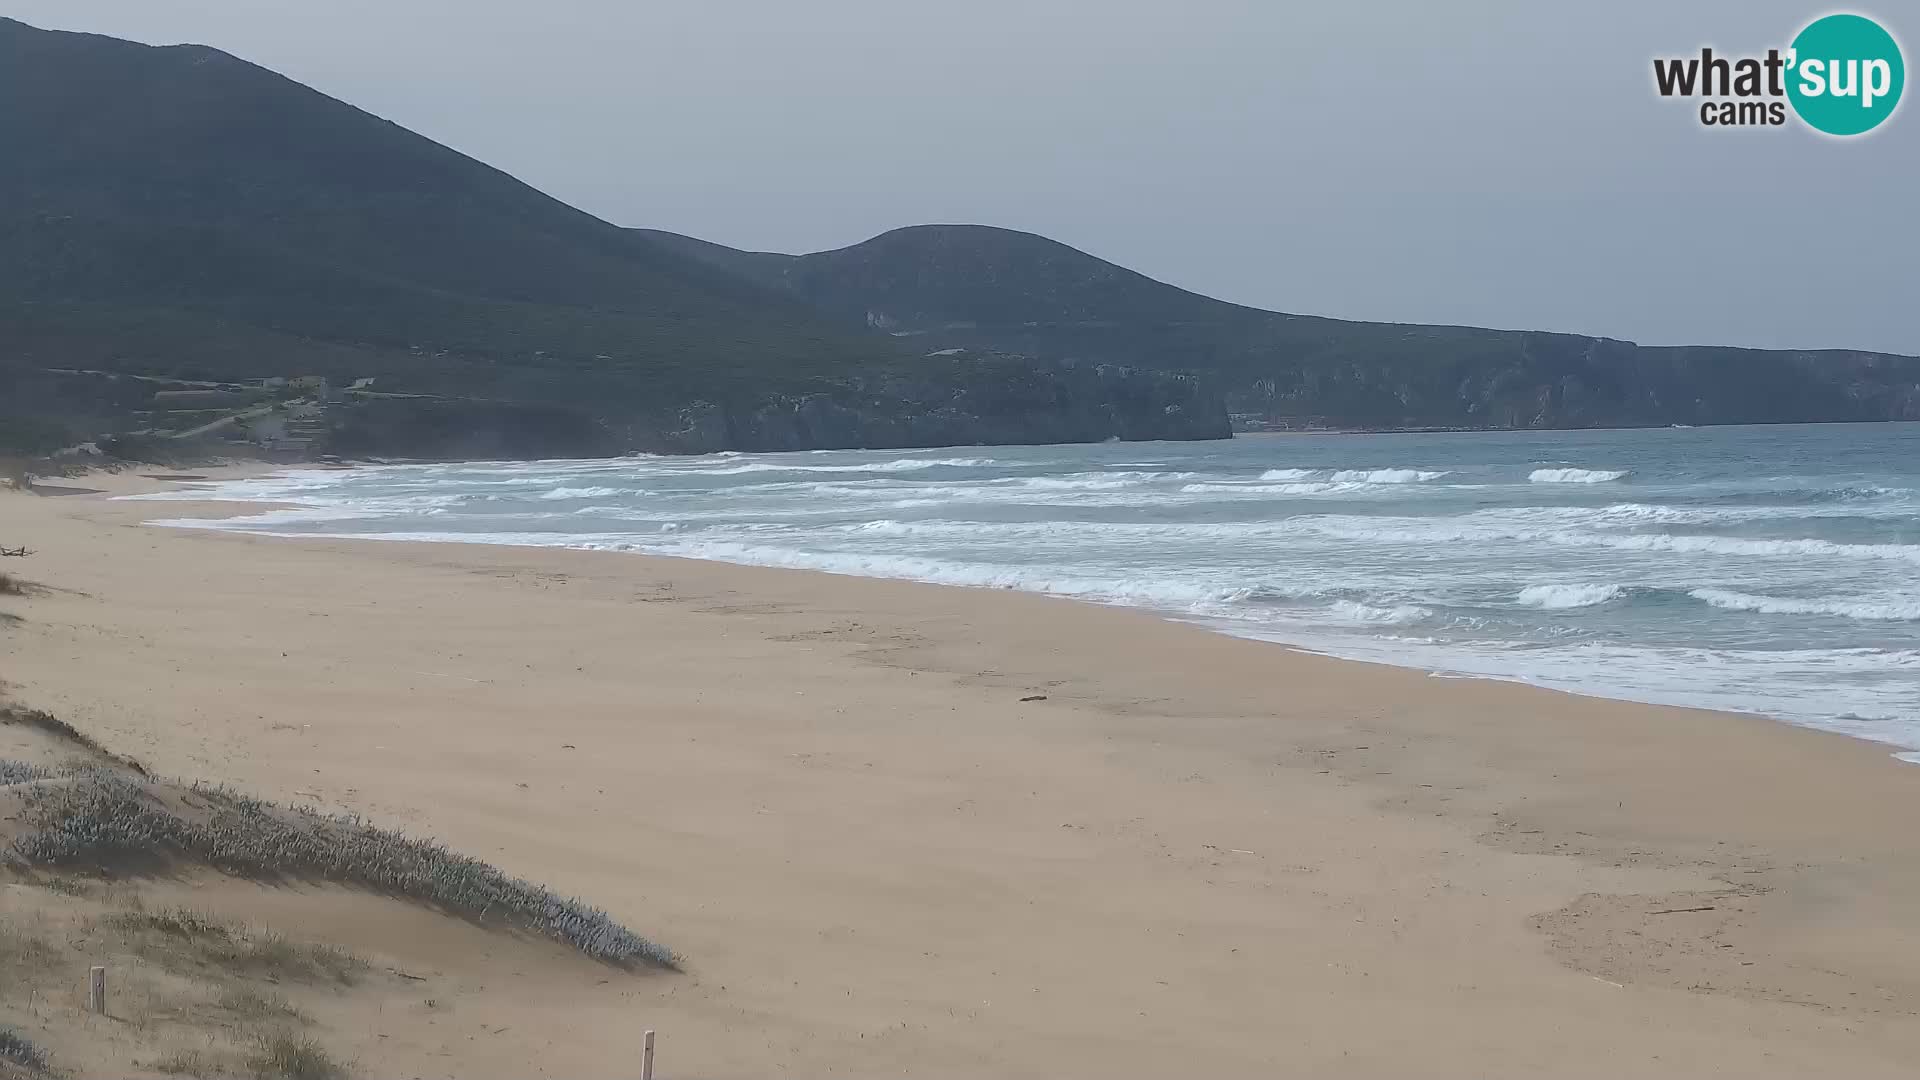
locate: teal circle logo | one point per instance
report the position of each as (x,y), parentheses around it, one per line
(1845,74)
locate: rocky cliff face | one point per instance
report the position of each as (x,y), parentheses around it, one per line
(1560,381)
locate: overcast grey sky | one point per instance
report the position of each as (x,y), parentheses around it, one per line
(1489,163)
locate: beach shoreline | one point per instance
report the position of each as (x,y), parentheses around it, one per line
(939,831)
(1902,743)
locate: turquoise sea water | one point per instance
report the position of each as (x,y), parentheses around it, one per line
(1774,570)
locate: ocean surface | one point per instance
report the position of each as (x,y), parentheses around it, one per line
(1773,570)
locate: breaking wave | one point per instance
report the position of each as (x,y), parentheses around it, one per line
(583,493)
(1391,614)
(1387,476)
(1575,476)
(1559,597)
(894,466)
(1844,607)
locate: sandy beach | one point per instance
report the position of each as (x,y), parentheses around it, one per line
(908,830)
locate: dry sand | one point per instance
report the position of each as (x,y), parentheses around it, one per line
(1195,856)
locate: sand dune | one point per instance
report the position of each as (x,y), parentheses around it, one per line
(1192,856)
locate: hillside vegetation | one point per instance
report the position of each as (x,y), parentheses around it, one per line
(179,213)
(946,286)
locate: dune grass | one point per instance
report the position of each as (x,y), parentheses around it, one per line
(179,938)
(101,817)
(24,772)
(253,1003)
(285,1055)
(182,923)
(21,949)
(187,1063)
(17,1049)
(49,724)
(12,586)
(276,1054)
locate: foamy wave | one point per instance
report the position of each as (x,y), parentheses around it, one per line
(428,502)
(896,465)
(1387,476)
(1104,481)
(269,519)
(1479,530)
(1395,614)
(1641,514)
(1833,689)
(278,487)
(1575,476)
(583,493)
(1313,487)
(1198,596)
(1356,476)
(1080,489)
(1554,597)
(889,527)
(1727,545)
(1890,610)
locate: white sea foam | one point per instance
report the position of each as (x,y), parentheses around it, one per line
(1729,545)
(1356,476)
(1190,596)
(892,466)
(1844,607)
(1832,689)
(1471,529)
(1111,478)
(583,493)
(1575,476)
(1393,614)
(267,520)
(1312,487)
(1387,476)
(1556,597)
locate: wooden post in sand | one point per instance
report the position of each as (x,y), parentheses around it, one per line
(646,1059)
(97,990)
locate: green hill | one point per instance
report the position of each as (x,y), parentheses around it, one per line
(946,286)
(177,212)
